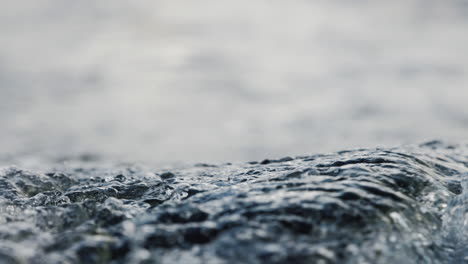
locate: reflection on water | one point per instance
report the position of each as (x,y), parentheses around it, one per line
(219,80)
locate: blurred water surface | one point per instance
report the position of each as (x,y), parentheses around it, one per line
(216,80)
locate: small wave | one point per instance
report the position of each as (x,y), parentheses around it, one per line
(395,205)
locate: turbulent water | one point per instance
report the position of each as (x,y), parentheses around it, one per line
(217,80)
(384,205)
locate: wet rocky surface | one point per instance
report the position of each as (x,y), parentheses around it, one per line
(384,205)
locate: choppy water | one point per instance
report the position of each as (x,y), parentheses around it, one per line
(384,205)
(213,81)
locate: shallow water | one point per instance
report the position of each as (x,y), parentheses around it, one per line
(384,205)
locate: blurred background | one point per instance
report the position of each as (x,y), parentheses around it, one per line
(217,80)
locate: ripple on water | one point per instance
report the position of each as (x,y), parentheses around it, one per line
(405,205)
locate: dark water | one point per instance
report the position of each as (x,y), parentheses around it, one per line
(385,205)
